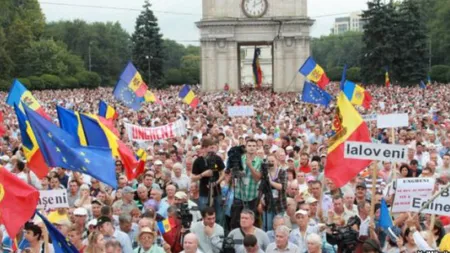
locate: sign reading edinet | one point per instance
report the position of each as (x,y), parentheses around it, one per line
(373,151)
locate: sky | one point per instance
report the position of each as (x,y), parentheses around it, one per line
(176,18)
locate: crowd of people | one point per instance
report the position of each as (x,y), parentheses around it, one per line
(272,196)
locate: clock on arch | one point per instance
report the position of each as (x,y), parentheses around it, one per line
(254,8)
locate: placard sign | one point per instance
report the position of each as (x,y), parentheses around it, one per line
(52,199)
(241,111)
(439,206)
(409,188)
(369,117)
(392,120)
(375,151)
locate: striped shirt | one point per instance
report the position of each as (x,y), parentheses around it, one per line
(381,184)
(246,188)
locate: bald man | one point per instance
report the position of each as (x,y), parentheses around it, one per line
(190,244)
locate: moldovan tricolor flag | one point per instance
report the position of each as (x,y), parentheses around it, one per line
(348,126)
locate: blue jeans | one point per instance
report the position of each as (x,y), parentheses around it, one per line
(268,220)
(203,203)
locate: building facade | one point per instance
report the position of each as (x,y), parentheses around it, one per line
(353,22)
(227,25)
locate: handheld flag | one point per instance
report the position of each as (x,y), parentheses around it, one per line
(18,94)
(99,135)
(347,126)
(141,156)
(422,85)
(59,242)
(30,147)
(60,149)
(387,81)
(106,111)
(257,71)
(130,88)
(428,80)
(165,225)
(343,77)
(357,95)
(70,122)
(314,73)
(315,95)
(188,96)
(385,217)
(18,200)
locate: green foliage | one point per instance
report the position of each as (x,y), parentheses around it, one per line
(4,85)
(337,50)
(190,68)
(88,79)
(394,37)
(174,77)
(6,64)
(440,73)
(69,82)
(51,81)
(25,81)
(335,73)
(438,13)
(36,83)
(173,54)
(147,42)
(354,74)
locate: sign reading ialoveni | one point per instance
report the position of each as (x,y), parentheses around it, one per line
(375,151)
(53,199)
(409,188)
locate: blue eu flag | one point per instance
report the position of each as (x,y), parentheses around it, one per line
(59,242)
(422,85)
(124,93)
(315,95)
(60,149)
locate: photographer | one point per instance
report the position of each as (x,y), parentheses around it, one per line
(278,182)
(209,234)
(246,186)
(208,169)
(182,199)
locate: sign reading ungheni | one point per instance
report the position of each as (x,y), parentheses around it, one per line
(171,130)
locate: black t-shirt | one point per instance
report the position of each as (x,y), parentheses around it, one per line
(201,164)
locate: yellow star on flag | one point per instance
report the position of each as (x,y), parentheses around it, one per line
(82,153)
(64,160)
(58,150)
(50,135)
(87,161)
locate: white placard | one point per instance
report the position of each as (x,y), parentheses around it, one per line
(439,206)
(375,151)
(381,104)
(392,120)
(53,199)
(369,117)
(408,188)
(241,111)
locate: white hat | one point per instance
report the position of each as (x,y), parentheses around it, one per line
(80,211)
(311,200)
(181,195)
(91,223)
(289,148)
(158,162)
(4,158)
(302,212)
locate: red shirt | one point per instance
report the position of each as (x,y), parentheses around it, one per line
(305,169)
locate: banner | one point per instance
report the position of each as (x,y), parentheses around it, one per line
(52,199)
(410,188)
(374,151)
(172,130)
(439,206)
(392,120)
(241,111)
(369,117)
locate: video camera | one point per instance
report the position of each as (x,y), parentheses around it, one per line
(234,163)
(184,214)
(345,237)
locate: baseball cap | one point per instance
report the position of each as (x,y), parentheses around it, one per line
(91,223)
(311,200)
(181,195)
(95,200)
(362,185)
(80,211)
(102,220)
(128,189)
(158,162)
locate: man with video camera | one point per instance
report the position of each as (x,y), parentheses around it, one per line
(246,185)
(208,169)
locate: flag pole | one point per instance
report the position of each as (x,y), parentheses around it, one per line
(374,188)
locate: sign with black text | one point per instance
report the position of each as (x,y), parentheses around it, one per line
(392,120)
(439,206)
(409,188)
(375,151)
(241,111)
(53,199)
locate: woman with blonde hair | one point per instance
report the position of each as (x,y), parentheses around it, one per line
(96,243)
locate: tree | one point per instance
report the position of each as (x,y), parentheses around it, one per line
(438,12)
(190,68)
(6,64)
(147,42)
(173,54)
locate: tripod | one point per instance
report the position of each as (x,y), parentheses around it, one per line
(266,190)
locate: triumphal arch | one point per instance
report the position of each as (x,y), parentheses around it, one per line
(228,25)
